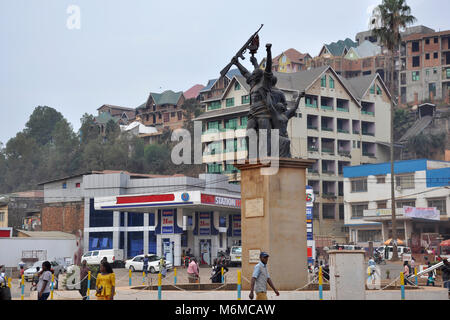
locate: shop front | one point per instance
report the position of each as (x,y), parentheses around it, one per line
(202,223)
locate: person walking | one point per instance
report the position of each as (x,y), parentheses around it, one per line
(261,278)
(407,272)
(45,278)
(192,271)
(84,279)
(446,274)
(162,267)
(106,282)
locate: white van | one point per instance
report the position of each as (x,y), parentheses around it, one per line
(236,255)
(113,256)
(400,249)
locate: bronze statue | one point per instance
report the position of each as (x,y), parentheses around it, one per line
(268,106)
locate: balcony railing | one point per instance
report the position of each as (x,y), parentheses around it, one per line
(369,113)
(312,127)
(342,131)
(368,133)
(311,105)
(328,195)
(328,150)
(313,148)
(327,129)
(328,172)
(313,171)
(368,154)
(342,109)
(344,153)
(326,107)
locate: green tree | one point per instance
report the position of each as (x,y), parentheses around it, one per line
(42,123)
(395,16)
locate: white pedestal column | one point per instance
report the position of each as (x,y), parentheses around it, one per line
(347,275)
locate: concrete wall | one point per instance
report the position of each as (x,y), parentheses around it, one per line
(11,248)
(54,192)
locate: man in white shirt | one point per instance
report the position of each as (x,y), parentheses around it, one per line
(261,278)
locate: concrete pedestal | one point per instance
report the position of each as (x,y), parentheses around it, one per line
(347,275)
(274,220)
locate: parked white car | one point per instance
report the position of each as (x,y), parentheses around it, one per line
(113,256)
(235,255)
(29,273)
(137,263)
(400,249)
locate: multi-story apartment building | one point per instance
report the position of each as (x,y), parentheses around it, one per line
(420,184)
(162,110)
(339,123)
(425,68)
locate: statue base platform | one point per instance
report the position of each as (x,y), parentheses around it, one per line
(273,219)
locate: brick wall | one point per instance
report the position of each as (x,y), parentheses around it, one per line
(65,217)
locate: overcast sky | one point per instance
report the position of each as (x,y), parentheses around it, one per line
(126,49)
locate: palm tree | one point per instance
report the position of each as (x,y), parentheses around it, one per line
(395,16)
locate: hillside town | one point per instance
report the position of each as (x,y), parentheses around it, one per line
(82,203)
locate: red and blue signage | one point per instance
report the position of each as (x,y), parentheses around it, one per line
(167,222)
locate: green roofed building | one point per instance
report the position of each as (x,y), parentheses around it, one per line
(162,110)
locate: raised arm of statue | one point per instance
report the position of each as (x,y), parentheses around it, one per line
(241,68)
(291,112)
(269,58)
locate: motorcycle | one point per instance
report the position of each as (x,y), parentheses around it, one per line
(379,258)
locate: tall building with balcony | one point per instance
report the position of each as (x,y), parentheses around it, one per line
(422,184)
(339,123)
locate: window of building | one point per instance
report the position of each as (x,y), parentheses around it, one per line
(166,117)
(245,99)
(244,121)
(214,168)
(64,185)
(372,89)
(328,211)
(369,235)
(436,40)
(331,83)
(359,185)
(427,56)
(415,76)
(230,102)
(213,125)
(381,204)
(415,46)
(381,179)
(447,73)
(172,114)
(435,55)
(2,216)
(237,86)
(180,115)
(405,181)
(405,203)
(214,105)
(378,91)
(358,210)
(416,62)
(231,123)
(77,185)
(323,82)
(439,204)
(341,212)
(316,215)
(427,72)
(427,41)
